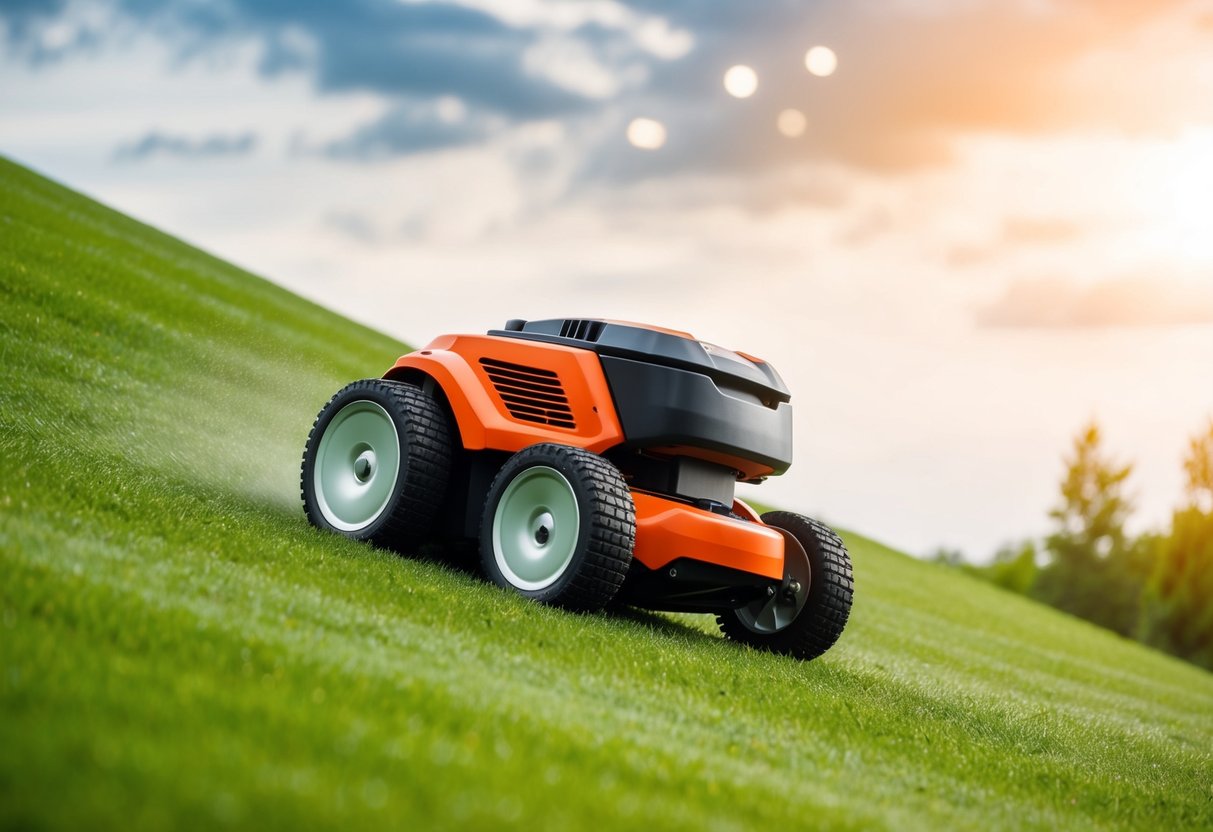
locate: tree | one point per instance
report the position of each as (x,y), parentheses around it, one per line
(1093,571)
(1014,567)
(948,557)
(1177,610)
(1198,468)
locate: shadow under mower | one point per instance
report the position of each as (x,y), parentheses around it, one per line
(595,461)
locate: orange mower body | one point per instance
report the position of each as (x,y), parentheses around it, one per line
(588,461)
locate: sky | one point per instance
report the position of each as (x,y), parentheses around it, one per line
(961,230)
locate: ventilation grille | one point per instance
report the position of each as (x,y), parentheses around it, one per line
(529,393)
(581,330)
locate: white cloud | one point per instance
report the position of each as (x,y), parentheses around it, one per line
(652,32)
(1156,299)
(658,37)
(572,65)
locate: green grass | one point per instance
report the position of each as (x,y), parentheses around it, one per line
(179,649)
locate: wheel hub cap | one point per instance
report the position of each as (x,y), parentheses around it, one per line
(535,528)
(364,466)
(543,527)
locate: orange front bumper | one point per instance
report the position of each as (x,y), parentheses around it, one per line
(667,530)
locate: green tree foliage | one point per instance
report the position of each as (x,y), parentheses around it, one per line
(1014,567)
(1177,609)
(1157,588)
(1093,570)
(1198,467)
(948,557)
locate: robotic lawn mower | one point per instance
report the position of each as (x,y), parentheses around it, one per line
(594,461)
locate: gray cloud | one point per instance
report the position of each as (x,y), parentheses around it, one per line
(408,128)
(353,224)
(1127,301)
(24,18)
(410,52)
(909,81)
(205,147)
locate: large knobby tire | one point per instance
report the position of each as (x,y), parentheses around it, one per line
(559,526)
(376,464)
(806,622)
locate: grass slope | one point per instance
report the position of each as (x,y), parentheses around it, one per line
(178,648)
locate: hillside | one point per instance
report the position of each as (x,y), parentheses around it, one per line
(178,648)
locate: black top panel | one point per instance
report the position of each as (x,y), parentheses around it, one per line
(661,406)
(637,342)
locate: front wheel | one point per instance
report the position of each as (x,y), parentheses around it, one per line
(559,526)
(807,614)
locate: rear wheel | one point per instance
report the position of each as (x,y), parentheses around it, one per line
(376,463)
(559,526)
(809,611)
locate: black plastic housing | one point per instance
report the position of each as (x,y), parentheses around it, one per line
(689,585)
(728,369)
(665,406)
(672,391)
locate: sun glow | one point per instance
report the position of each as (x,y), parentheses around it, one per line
(1168,191)
(1187,198)
(741,81)
(821,61)
(792,123)
(646,133)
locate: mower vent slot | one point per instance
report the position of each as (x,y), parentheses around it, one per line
(581,330)
(529,393)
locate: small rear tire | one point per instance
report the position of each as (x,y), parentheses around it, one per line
(559,526)
(376,464)
(799,620)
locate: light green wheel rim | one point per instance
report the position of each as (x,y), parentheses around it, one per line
(535,528)
(357,465)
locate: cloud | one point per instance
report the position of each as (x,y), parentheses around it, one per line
(38,32)
(871,224)
(354,225)
(411,127)
(206,147)
(23,17)
(547,64)
(1017,233)
(1129,301)
(911,78)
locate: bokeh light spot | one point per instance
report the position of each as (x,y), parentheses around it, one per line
(646,133)
(792,123)
(821,61)
(740,81)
